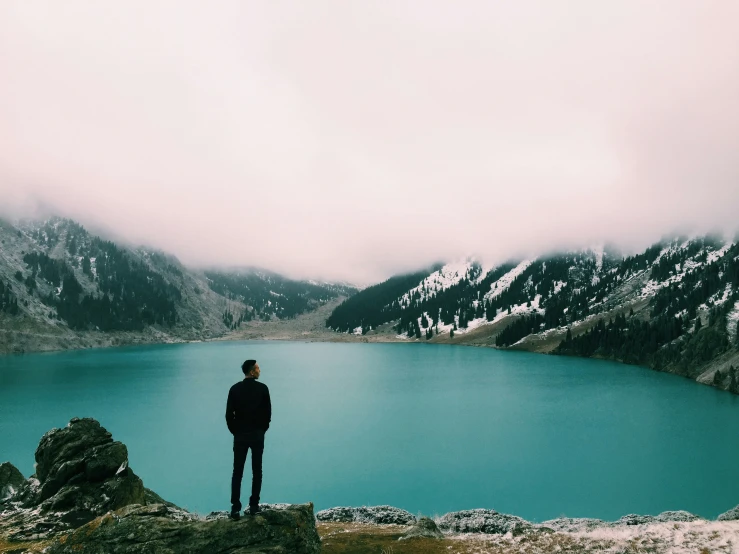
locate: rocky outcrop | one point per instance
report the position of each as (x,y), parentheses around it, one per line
(731,515)
(482,521)
(159,529)
(424,527)
(664,517)
(10,480)
(367,514)
(574,525)
(84,497)
(81,473)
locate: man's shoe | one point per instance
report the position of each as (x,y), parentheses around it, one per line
(236,516)
(253,510)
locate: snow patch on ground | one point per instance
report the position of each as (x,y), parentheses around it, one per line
(486,268)
(676,538)
(447,276)
(658,538)
(718,254)
(504,282)
(732,321)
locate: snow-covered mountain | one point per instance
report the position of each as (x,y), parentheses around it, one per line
(674,306)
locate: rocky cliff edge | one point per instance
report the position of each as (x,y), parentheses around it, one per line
(84,498)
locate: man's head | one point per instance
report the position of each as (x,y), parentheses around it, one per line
(251,369)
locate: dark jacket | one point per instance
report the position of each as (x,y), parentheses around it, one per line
(248,407)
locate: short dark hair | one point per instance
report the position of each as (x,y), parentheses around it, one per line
(247,366)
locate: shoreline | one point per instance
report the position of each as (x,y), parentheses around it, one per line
(295,331)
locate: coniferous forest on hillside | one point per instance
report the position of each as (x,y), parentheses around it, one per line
(686,293)
(673,307)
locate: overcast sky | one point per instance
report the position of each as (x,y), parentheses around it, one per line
(351,140)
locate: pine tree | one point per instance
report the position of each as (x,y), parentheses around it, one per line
(717,378)
(698,324)
(451,333)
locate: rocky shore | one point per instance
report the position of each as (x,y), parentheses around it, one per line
(84,498)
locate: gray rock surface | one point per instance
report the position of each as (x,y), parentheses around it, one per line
(84,499)
(81,473)
(367,514)
(159,529)
(10,480)
(424,527)
(482,521)
(731,515)
(664,517)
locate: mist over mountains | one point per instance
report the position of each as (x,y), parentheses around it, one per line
(63,287)
(674,306)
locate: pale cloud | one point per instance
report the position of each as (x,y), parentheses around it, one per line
(351,140)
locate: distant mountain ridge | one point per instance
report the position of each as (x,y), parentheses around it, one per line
(673,307)
(67,287)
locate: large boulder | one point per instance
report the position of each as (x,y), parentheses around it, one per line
(367,514)
(160,529)
(11,480)
(424,528)
(82,471)
(482,521)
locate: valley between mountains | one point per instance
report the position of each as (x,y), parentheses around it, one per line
(673,307)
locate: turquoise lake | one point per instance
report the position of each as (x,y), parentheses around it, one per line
(427,428)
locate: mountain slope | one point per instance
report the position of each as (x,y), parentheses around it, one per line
(62,287)
(673,307)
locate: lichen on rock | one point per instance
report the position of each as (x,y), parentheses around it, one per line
(367,514)
(482,521)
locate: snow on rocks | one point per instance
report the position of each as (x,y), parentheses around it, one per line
(664,517)
(572,524)
(481,521)
(367,514)
(732,322)
(731,515)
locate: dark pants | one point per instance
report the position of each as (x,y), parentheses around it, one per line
(242,444)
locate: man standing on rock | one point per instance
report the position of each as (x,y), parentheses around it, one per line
(248,414)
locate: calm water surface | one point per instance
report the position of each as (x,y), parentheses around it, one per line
(428,428)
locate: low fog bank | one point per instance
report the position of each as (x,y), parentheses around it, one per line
(370,257)
(353,141)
